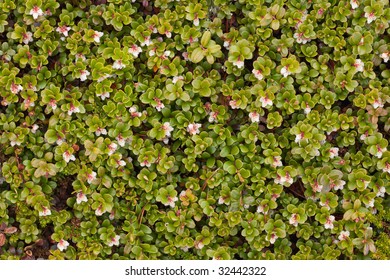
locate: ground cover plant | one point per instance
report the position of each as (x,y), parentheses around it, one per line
(195,129)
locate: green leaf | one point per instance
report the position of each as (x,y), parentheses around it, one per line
(197,55)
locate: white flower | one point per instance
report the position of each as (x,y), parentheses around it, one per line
(265,101)
(111,148)
(300,38)
(159,105)
(339,186)
(121,163)
(168,34)
(91,177)
(380,151)
(272,239)
(135,50)
(145,163)
(377,103)
(105,95)
(97,35)
(299,137)
(277,161)
(16,88)
(36,12)
(134,113)
(370,17)
(177,78)
(83,75)
(239,63)
(112,215)
(329,222)
(62,245)
(233,104)
(213,117)
(152,52)
(258,74)
(317,187)
(63,30)
(254,116)
(118,64)
(385,56)
(60,140)
(193,128)
(27,37)
(226,44)
(166,54)
(171,201)
(260,209)
(381,192)
(344,235)
(68,156)
(370,203)
(334,152)
(221,200)
(294,220)
(167,128)
(81,197)
(80,56)
(73,109)
(114,241)
(185,56)
(354,4)
(121,140)
(99,211)
(34,128)
(101,131)
(307,110)
(359,65)
(196,21)
(45,211)
(146,41)
(13,143)
(284,71)
(199,245)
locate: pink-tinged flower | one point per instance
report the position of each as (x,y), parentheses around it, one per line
(121,140)
(213,116)
(36,12)
(167,128)
(81,197)
(307,109)
(233,104)
(239,63)
(27,37)
(145,163)
(104,95)
(381,191)
(325,204)
(112,148)
(152,52)
(265,101)
(199,245)
(284,71)
(166,55)
(380,151)
(177,78)
(385,56)
(99,211)
(134,113)
(300,39)
(28,103)
(171,201)
(193,128)
(185,56)
(294,220)
(354,4)
(68,156)
(15,142)
(370,203)
(146,41)
(63,30)
(60,140)
(277,161)
(135,50)
(114,241)
(334,152)
(364,136)
(377,103)
(159,106)
(73,109)
(359,65)
(260,209)
(273,238)
(168,34)
(258,74)
(91,177)
(45,211)
(344,235)
(226,44)
(80,56)
(329,222)
(97,35)
(370,17)
(339,185)
(196,21)
(118,64)
(221,200)
(34,128)
(121,162)
(317,187)
(254,116)
(84,74)
(101,131)
(112,215)
(62,245)
(16,88)
(299,137)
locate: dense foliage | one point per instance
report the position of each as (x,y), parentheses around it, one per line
(194,129)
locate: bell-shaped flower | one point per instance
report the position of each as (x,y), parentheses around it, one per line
(265,101)
(91,176)
(254,116)
(73,109)
(334,152)
(135,50)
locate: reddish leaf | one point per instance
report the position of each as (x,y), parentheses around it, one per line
(3,226)
(2,239)
(10,230)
